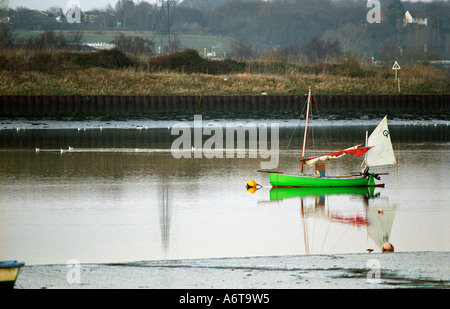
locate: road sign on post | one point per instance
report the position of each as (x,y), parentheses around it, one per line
(396,67)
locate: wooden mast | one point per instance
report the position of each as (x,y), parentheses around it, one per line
(306,128)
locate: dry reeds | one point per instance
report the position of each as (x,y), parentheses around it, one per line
(114,73)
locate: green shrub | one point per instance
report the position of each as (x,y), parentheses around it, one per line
(112,59)
(55,61)
(190,61)
(108,59)
(350,66)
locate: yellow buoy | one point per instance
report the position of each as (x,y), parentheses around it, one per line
(251,184)
(251,190)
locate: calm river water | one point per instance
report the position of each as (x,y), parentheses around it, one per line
(118,194)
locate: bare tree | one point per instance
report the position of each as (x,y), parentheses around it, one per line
(242,51)
(353,38)
(7,37)
(125,9)
(319,50)
(4,4)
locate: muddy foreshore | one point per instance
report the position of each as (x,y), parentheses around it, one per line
(403,270)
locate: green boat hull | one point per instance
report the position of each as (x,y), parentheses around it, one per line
(280,193)
(281,180)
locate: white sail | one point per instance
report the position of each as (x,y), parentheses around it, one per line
(382,152)
(380,224)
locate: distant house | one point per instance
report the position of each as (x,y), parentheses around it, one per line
(32,19)
(94,17)
(415,17)
(39,13)
(101,45)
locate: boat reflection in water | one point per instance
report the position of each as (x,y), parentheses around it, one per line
(376,216)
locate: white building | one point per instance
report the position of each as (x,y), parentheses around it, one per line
(415,17)
(101,45)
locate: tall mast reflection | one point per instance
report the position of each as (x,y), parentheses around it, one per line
(164,215)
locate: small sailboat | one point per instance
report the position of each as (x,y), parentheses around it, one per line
(378,151)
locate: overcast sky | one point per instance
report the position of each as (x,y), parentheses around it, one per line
(84,4)
(45,4)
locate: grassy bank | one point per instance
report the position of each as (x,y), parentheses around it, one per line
(114,73)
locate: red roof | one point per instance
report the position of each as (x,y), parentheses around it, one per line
(417,14)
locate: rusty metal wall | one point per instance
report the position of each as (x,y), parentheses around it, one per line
(22,105)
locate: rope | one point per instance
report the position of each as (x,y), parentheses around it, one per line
(323,127)
(295,128)
(328,117)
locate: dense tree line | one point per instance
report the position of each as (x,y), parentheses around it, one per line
(308,30)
